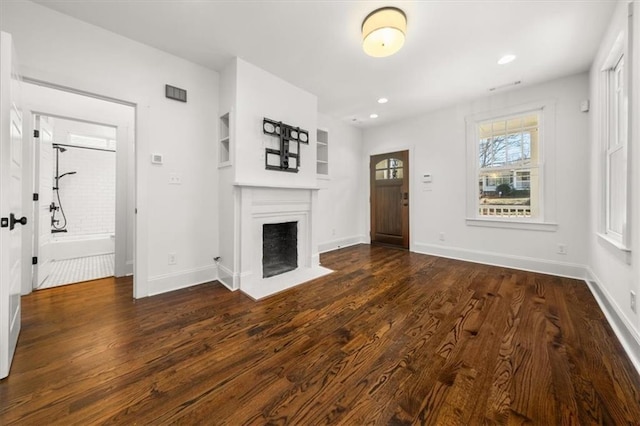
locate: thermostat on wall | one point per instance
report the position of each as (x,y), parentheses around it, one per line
(156,158)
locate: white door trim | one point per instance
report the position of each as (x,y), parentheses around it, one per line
(125,131)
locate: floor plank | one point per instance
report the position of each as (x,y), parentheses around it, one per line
(391,337)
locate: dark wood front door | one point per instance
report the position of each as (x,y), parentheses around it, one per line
(390,199)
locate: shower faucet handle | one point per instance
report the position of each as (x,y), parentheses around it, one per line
(53,207)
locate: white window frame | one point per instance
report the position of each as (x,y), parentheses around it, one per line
(545,220)
(609,119)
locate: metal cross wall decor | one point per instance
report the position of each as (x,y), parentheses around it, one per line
(287,158)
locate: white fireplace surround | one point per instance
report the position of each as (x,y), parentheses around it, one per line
(259,205)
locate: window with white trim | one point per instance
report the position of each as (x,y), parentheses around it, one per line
(507,151)
(615,134)
(508,166)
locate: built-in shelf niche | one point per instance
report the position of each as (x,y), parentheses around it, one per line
(322,151)
(224,154)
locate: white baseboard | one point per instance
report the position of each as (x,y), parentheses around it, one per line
(562,269)
(178,280)
(340,243)
(621,325)
(128,269)
(227,278)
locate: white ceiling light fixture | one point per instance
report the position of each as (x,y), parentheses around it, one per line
(383,32)
(374,115)
(383,100)
(506,59)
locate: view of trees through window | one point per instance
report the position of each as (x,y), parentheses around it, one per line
(508,166)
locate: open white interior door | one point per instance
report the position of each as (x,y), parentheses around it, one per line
(44,177)
(10,204)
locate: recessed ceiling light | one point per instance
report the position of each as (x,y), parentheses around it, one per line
(506,59)
(374,115)
(383,100)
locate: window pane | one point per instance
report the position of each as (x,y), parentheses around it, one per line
(484,153)
(498,127)
(508,179)
(526,146)
(381,174)
(381,165)
(515,124)
(396,173)
(91,141)
(530,121)
(499,151)
(616,191)
(484,130)
(394,162)
(506,194)
(620,107)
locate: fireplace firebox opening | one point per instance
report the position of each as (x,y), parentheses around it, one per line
(279,248)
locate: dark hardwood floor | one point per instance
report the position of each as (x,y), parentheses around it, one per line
(391,337)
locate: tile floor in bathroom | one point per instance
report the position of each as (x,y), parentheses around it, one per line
(80,269)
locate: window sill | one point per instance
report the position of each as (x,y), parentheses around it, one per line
(613,242)
(512,224)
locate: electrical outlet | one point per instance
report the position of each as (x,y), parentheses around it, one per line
(175,179)
(562,249)
(633,302)
(172,259)
(441,236)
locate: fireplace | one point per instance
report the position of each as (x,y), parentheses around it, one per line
(279,248)
(289,257)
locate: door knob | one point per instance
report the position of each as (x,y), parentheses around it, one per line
(13,221)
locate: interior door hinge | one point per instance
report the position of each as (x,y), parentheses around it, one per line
(34,260)
(36,133)
(36,197)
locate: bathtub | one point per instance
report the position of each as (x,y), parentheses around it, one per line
(72,246)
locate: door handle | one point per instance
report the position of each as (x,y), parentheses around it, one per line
(13,221)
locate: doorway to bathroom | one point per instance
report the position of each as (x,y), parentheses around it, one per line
(76,217)
(83,180)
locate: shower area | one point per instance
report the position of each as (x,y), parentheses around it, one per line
(77,212)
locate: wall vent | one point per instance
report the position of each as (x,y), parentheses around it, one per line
(175,93)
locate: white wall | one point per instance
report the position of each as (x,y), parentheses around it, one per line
(179,218)
(250,94)
(437,144)
(615,273)
(226,177)
(261,94)
(341,208)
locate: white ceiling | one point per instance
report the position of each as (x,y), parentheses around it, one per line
(450,53)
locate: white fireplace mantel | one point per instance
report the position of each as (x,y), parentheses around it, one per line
(260,204)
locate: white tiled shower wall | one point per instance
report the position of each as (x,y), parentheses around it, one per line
(89,196)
